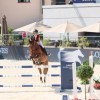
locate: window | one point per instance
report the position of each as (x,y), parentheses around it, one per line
(23,1)
(58,2)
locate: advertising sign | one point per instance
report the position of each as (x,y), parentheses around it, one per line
(84,1)
(23,35)
(67,59)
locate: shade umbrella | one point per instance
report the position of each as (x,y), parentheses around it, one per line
(4,29)
(91,28)
(63,28)
(26,28)
(31,27)
(42,27)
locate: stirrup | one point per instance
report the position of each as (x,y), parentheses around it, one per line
(48,54)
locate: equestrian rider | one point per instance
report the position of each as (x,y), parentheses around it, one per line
(36,37)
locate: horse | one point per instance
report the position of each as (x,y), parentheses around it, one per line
(39,58)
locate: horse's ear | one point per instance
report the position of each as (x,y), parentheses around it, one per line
(29,41)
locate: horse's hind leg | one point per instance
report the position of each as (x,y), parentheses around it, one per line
(45,72)
(40,71)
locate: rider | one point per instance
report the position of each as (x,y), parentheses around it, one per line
(36,37)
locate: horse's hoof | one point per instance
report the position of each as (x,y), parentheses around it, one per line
(41,79)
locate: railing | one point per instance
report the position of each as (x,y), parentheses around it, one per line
(71,41)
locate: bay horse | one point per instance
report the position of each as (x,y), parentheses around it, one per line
(39,58)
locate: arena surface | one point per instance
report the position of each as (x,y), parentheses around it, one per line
(34,93)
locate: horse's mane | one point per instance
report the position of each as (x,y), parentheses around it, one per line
(34,46)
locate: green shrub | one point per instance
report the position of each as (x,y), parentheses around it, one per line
(85,82)
(83,42)
(45,42)
(26,41)
(11,40)
(87,63)
(84,72)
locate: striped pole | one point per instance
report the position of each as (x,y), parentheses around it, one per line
(32,85)
(30,75)
(30,66)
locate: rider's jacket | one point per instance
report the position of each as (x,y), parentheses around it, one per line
(36,38)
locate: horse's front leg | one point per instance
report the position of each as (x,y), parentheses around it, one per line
(40,71)
(33,61)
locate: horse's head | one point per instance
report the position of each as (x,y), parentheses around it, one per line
(79,53)
(35,49)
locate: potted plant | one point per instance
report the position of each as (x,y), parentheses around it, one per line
(97,83)
(97,86)
(83,42)
(85,72)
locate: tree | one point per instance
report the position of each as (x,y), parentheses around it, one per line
(85,72)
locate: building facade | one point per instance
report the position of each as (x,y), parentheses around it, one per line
(82,14)
(23,12)
(20,12)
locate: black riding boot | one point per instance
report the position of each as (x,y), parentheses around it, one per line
(45,51)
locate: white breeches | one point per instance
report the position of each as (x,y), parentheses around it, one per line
(41,44)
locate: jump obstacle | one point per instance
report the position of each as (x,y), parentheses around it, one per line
(64,64)
(28,75)
(66,60)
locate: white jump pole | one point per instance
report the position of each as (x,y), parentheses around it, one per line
(91,80)
(74,80)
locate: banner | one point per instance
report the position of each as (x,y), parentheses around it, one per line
(22,53)
(84,1)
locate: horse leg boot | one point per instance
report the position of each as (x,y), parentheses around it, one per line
(40,71)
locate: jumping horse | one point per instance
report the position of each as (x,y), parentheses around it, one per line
(39,58)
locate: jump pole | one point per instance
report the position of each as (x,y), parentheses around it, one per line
(91,80)
(74,80)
